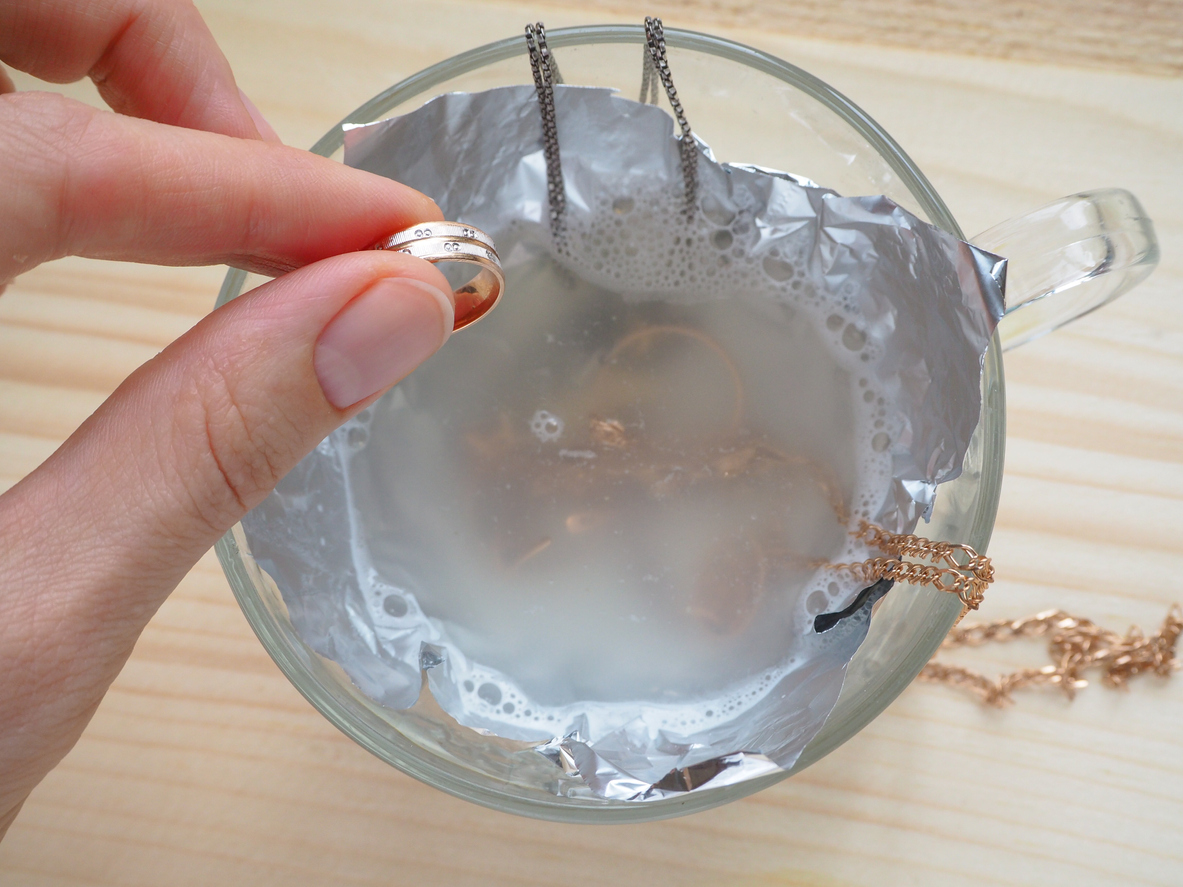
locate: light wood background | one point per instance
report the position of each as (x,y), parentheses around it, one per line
(203,766)
(1131,35)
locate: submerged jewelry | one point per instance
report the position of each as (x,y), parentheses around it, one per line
(452,242)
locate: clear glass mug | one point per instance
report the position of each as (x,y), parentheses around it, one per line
(1066,259)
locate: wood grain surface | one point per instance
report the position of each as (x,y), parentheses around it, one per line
(1127,35)
(204,766)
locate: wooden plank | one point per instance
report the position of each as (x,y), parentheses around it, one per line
(1145,36)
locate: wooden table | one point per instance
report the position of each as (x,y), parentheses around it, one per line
(203,766)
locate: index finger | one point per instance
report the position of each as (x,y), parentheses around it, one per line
(154,59)
(80,181)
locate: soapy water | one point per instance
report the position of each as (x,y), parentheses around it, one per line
(609,509)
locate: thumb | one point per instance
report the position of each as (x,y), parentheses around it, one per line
(200,434)
(94,540)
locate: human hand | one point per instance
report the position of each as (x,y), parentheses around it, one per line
(97,537)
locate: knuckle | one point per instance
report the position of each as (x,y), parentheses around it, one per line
(44,137)
(247,442)
(256,218)
(48,120)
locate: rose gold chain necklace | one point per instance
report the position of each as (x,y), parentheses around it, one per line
(1074,645)
(954,569)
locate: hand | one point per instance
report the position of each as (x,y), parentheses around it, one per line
(186,173)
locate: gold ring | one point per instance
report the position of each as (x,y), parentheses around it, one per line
(440,242)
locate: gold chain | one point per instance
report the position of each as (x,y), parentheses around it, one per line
(1074,646)
(954,569)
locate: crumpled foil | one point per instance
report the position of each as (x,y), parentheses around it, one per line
(925,303)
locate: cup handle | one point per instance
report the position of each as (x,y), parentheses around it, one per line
(1069,258)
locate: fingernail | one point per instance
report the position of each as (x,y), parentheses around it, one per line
(261,124)
(379,337)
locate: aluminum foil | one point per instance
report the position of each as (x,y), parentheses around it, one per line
(919,308)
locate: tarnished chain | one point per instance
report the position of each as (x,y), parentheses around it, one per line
(649,80)
(655,68)
(546,75)
(655,42)
(954,569)
(1074,646)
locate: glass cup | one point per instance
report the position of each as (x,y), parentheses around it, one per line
(750,107)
